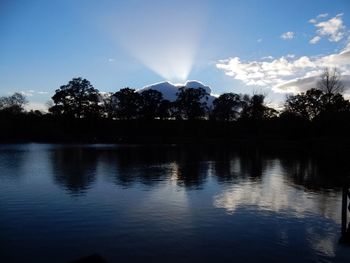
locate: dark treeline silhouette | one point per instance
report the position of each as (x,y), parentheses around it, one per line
(79,112)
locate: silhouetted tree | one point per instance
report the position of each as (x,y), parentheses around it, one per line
(127,103)
(166,109)
(191,103)
(150,102)
(75,168)
(307,105)
(315,102)
(331,85)
(13,104)
(254,108)
(330,82)
(227,107)
(36,113)
(77,99)
(337,104)
(108,105)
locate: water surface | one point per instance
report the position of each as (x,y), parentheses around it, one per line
(167,204)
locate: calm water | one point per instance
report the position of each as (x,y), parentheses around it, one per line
(166,204)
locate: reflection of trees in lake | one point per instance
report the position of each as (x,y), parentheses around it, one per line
(152,164)
(13,160)
(233,165)
(74,168)
(252,165)
(127,165)
(225,165)
(189,166)
(191,175)
(313,173)
(274,193)
(275,190)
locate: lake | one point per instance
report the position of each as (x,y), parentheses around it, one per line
(167,204)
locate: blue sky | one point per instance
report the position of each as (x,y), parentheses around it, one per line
(246,46)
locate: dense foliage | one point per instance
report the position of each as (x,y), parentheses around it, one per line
(81,111)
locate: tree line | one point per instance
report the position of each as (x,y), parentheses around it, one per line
(79,99)
(316,110)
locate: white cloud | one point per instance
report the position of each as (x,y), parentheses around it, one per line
(287,35)
(111,60)
(31,93)
(268,57)
(288,73)
(303,84)
(313,21)
(332,29)
(315,39)
(322,15)
(27,93)
(169,89)
(259,40)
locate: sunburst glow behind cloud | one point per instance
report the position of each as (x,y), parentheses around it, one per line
(164,38)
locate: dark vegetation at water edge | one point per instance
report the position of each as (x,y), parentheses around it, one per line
(80,113)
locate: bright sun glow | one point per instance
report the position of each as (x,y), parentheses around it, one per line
(165,38)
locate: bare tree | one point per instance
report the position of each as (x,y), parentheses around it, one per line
(330,82)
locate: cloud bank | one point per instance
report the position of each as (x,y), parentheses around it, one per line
(287,74)
(291,74)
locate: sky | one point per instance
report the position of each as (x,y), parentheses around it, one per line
(248,46)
